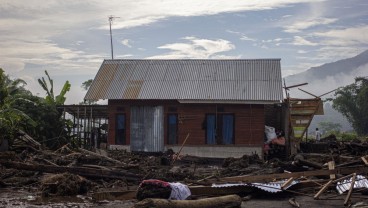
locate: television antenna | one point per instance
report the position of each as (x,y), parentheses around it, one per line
(111,18)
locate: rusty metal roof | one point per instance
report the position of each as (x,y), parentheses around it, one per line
(192,80)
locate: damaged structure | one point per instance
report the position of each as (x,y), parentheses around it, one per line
(216,108)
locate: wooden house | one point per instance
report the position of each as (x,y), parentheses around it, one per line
(216,108)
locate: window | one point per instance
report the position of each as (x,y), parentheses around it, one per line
(172,130)
(120,133)
(220,129)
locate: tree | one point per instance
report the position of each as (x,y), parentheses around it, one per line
(352,102)
(11,117)
(50,98)
(85,86)
(329,127)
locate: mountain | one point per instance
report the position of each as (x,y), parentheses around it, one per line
(325,78)
(329,76)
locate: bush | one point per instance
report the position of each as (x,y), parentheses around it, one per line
(347,137)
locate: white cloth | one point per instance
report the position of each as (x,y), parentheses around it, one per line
(179,191)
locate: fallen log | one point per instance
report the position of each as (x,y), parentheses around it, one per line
(87,172)
(228,201)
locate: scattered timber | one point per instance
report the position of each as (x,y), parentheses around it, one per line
(87,172)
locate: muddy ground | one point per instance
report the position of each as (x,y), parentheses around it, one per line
(26,199)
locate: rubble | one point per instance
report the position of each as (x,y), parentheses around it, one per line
(116,175)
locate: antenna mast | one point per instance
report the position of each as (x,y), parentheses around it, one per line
(111,18)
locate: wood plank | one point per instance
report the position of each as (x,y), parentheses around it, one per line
(350,190)
(331,166)
(323,189)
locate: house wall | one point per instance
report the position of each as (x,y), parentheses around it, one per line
(249,121)
(248,124)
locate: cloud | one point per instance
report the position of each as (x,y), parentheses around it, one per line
(301,25)
(196,48)
(127,43)
(242,35)
(147,13)
(300,41)
(344,37)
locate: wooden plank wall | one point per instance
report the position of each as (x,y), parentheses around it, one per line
(249,120)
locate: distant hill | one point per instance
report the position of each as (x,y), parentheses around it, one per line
(325,78)
(329,76)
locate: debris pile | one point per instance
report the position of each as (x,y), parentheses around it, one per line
(153,179)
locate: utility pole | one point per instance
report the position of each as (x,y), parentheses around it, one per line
(111,18)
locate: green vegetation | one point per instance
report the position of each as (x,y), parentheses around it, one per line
(329,127)
(38,117)
(11,117)
(50,98)
(352,102)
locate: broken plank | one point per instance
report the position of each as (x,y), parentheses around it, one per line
(323,189)
(350,190)
(331,166)
(287,183)
(364,160)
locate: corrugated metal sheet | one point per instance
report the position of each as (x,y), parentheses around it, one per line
(272,187)
(208,80)
(146,129)
(360,182)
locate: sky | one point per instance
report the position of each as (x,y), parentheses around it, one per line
(71,38)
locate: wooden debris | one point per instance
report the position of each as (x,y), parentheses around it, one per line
(331,166)
(323,189)
(287,183)
(178,154)
(350,190)
(87,172)
(309,163)
(364,160)
(101,156)
(229,201)
(294,203)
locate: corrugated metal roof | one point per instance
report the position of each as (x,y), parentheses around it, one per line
(241,80)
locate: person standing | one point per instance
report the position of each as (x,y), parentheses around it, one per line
(318,135)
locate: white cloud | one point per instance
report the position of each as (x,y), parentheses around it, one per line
(196,48)
(147,12)
(300,41)
(127,43)
(300,25)
(302,51)
(345,37)
(242,35)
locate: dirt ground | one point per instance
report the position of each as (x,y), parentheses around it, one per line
(28,199)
